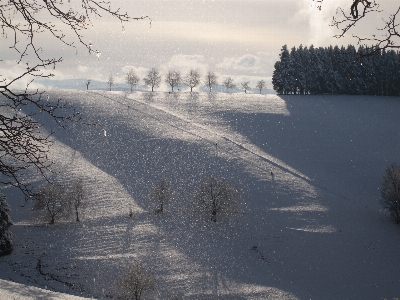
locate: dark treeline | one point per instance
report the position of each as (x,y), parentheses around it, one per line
(365,71)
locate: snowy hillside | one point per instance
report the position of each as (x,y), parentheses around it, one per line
(309,167)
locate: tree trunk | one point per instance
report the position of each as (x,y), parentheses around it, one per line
(77,214)
(214,215)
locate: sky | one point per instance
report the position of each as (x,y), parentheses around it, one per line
(237,38)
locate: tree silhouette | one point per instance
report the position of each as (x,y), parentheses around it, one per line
(359,10)
(22,23)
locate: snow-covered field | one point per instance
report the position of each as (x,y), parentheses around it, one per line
(309,167)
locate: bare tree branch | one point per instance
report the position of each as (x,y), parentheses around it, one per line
(23,145)
(345,21)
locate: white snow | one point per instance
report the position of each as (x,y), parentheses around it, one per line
(16,291)
(310,168)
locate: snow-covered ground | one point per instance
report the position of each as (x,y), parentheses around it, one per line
(309,167)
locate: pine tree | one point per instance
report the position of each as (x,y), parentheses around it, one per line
(6,245)
(328,71)
(277,81)
(336,62)
(284,67)
(366,71)
(391,73)
(315,73)
(304,67)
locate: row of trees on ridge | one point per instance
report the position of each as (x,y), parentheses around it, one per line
(366,71)
(174,79)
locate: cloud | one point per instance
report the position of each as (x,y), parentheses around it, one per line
(319,33)
(185,63)
(249,64)
(82,69)
(10,70)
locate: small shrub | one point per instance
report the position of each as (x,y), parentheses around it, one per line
(391,191)
(134,281)
(215,196)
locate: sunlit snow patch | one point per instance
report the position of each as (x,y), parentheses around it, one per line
(302,208)
(317,228)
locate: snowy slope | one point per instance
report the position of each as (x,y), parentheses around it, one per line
(15,291)
(311,229)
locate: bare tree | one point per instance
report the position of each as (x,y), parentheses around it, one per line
(111,80)
(51,201)
(215,196)
(132,79)
(211,80)
(261,85)
(173,79)
(22,146)
(87,83)
(391,191)
(153,79)
(161,193)
(192,79)
(245,85)
(24,21)
(344,21)
(228,83)
(134,281)
(77,197)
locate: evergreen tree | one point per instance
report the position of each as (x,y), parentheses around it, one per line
(277,80)
(315,72)
(284,69)
(328,72)
(365,71)
(336,60)
(369,72)
(392,68)
(306,68)
(6,245)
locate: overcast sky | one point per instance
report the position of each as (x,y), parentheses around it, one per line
(238,38)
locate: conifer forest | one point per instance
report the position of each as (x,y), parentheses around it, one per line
(334,70)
